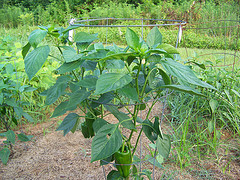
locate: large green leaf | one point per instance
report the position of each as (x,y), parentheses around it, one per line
(71,55)
(68,123)
(124,119)
(78,97)
(154,37)
(132,39)
(163,145)
(11,136)
(58,89)
(98,123)
(35,59)
(89,65)
(111,81)
(4,155)
(114,64)
(68,67)
(129,92)
(36,37)
(95,55)
(83,37)
(183,73)
(107,141)
(62,108)
(89,82)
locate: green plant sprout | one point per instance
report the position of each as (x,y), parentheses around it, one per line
(95,78)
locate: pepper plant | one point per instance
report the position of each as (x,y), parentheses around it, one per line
(96,78)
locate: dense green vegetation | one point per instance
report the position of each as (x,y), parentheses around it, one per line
(18,14)
(31,12)
(198,124)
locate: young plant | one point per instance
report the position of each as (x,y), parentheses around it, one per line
(94,77)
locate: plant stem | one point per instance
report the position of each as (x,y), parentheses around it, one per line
(139,135)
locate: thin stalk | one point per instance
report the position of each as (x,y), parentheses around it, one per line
(134,117)
(150,109)
(139,135)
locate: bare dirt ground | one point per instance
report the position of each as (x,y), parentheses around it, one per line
(52,156)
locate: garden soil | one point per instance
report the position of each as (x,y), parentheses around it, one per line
(52,156)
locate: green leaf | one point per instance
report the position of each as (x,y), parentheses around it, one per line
(124,119)
(99,54)
(88,82)
(151,160)
(107,141)
(36,37)
(69,67)
(129,92)
(98,123)
(82,37)
(89,65)
(28,117)
(154,37)
(78,97)
(132,39)
(163,145)
(114,64)
(24,137)
(75,126)
(119,56)
(62,108)
(11,102)
(104,99)
(168,48)
(183,88)
(11,136)
(4,155)
(71,55)
(68,123)
(111,81)
(35,59)
(25,49)
(150,130)
(58,89)
(183,73)
(213,105)
(165,77)
(159,51)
